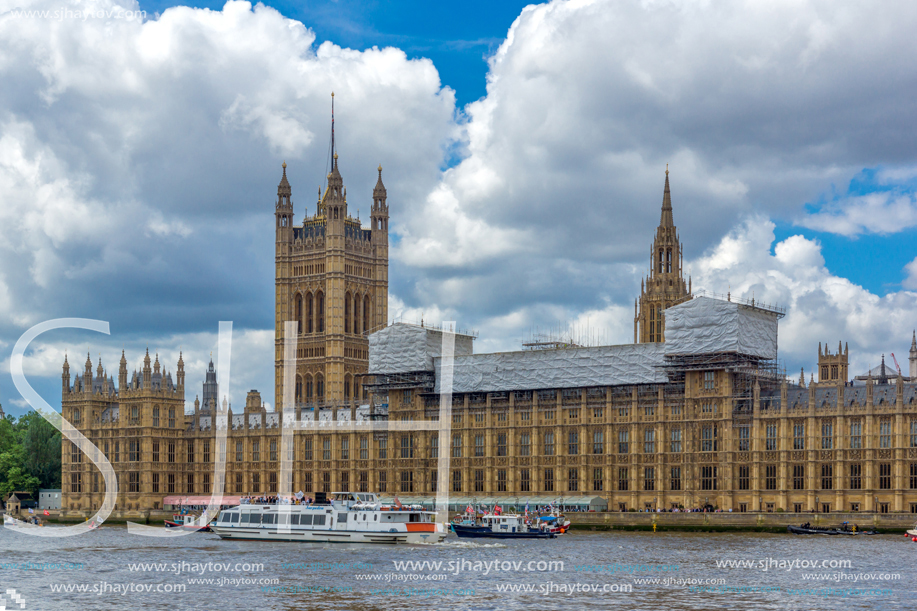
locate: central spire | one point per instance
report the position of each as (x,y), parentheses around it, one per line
(666,220)
(333,156)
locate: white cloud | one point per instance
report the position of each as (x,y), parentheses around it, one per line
(910,282)
(138,162)
(820,306)
(883,212)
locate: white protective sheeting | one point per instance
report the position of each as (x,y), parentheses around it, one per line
(563,368)
(403,348)
(706,325)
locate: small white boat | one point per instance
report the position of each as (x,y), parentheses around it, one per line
(355,517)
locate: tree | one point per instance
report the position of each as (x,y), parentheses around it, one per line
(12,475)
(42,445)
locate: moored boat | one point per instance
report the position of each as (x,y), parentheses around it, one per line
(807,529)
(187,521)
(354,517)
(501,526)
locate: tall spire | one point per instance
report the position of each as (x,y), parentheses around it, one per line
(667,220)
(333,156)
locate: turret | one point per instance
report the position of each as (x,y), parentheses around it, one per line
(87,375)
(147,372)
(65,377)
(283,212)
(334,202)
(180,373)
(122,373)
(379,214)
(913,357)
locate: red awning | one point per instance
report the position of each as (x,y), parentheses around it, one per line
(199,500)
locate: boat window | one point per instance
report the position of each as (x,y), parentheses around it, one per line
(295,518)
(254,518)
(342,517)
(375,517)
(245,517)
(319,520)
(305,520)
(224,516)
(234,518)
(414,517)
(284,518)
(364,517)
(269,518)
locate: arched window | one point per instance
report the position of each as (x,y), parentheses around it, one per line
(347,386)
(171,417)
(356,314)
(309,313)
(319,387)
(308,385)
(298,389)
(668,262)
(76,416)
(367,319)
(661,260)
(156,416)
(298,309)
(347,313)
(320,312)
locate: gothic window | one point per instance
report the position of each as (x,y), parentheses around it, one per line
(298,309)
(298,389)
(347,386)
(308,386)
(319,386)
(347,313)
(320,312)
(668,261)
(366,314)
(309,313)
(661,261)
(356,314)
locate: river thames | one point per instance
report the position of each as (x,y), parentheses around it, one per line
(110,569)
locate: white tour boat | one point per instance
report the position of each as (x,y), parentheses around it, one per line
(354,517)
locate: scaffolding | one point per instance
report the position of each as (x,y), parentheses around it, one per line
(752,362)
(567,336)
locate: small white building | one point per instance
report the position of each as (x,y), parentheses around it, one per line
(49,498)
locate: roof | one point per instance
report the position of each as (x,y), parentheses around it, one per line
(559,368)
(705,325)
(405,348)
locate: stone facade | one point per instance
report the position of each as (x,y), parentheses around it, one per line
(710,435)
(331,277)
(665,285)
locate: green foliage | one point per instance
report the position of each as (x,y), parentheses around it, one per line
(30,454)
(42,445)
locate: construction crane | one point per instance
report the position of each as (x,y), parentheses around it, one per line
(896,364)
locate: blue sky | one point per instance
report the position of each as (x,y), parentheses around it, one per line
(457,36)
(139,162)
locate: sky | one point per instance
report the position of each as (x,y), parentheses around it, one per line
(523,149)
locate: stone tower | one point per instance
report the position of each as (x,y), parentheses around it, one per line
(665,286)
(332,279)
(832,368)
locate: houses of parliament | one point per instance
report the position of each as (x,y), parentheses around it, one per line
(665,422)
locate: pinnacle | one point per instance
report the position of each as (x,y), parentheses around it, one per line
(666,220)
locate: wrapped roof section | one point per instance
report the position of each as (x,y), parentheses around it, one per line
(404,348)
(563,368)
(705,325)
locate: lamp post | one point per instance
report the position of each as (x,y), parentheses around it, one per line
(761,503)
(654,504)
(876,506)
